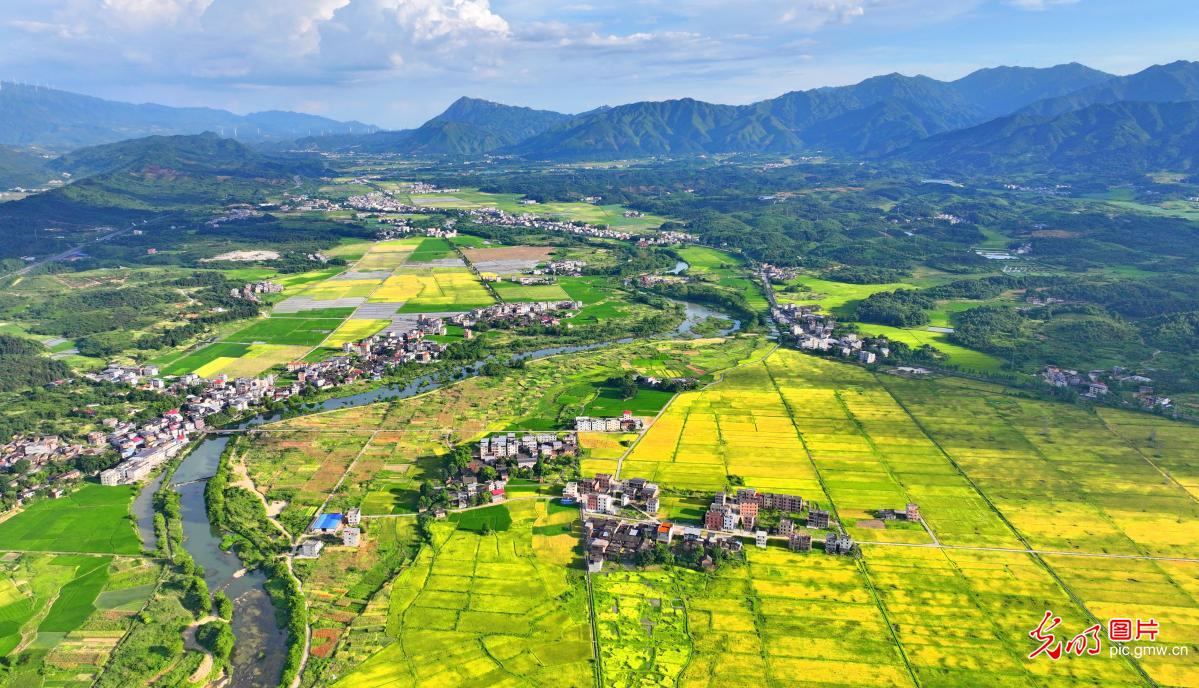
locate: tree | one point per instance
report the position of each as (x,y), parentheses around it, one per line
(627,386)
(196,596)
(223,605)
(217,637)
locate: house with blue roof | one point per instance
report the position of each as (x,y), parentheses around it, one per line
(327,524)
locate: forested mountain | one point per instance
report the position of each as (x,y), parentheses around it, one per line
(133,180)
(20,167)
(470,126)
(1001,91)
(1120,136)
(63,121)
(1170,83)
(204,153)
(873,117)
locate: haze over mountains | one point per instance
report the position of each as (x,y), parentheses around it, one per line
(1003,118)
(60,121)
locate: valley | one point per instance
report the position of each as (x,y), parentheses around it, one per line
(850,386)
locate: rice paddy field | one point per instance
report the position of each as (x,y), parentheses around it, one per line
(474,609)
(399,444)
(317,307)
(608,214)
(841,299)
(61,615)
(93,519)
(1027,506)
(725,269)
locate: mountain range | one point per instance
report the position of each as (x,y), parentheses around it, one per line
(1002,118)
(61,121)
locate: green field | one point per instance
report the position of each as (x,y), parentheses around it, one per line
(647,402)
(432,248)
(202,357)
(603,215)
(491,518)
(286,330)
(93,519)
(513,293)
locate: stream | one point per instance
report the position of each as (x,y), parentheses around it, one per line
(261,644)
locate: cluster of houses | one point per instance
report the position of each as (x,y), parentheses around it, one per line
(131,375)
(501,218)
(667,238)
(144,447)
(525,450)
(467,490)
(346,525)
(911,512)
(142,463)
(547,313)
(384,351)
(740,511)
(251,291)
(604,494)
(40,450)
(1089,385)
(776,273)
(307,204)
(620,541)
(565,268)
(626,422)
(234,213)
(1094,384)
(814,331)
(379,202)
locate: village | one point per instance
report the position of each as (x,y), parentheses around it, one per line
(813,331)
(142,448)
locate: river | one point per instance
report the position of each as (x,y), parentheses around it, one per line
(259,652)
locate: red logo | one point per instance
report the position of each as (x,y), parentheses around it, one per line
(1090,641)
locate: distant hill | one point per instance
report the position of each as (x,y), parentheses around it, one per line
(130,181)
(1171,83)
(1123,136)
(470,126)
(59,120)
(874,117)
(22,167)
(202,154)
(1002,91)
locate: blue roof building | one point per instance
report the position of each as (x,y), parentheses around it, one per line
(326,523)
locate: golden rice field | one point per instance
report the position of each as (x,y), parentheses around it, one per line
(329,290)
(602,450)
(963,617)
(739,426)
(444,287)
(790,620)
(387,255)
(988,469)
(354,330)
(486,610)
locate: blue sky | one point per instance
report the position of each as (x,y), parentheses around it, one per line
(395,63)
